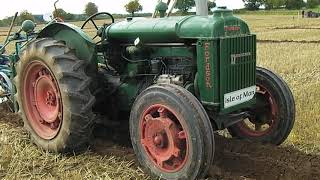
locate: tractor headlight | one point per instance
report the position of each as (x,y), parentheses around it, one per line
(28,26)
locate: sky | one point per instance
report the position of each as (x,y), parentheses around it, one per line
(77,6)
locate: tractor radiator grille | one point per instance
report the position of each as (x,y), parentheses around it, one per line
(237,63)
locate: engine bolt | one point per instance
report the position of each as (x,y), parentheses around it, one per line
(158,140)
(60,115)
(41,121)
(55,124)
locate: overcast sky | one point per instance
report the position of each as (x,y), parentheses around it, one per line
(77,6)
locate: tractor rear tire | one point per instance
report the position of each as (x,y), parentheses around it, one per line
(53,94)
(171,133)
(275,110)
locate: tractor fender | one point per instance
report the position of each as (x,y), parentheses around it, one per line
(74,38)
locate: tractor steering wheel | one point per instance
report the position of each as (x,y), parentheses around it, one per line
(91,18)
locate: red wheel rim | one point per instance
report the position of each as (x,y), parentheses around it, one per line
(42,100)
(164,139)
(265,115)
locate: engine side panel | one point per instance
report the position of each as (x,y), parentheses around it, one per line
(207,80)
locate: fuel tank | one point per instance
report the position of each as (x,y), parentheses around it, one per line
(178,29)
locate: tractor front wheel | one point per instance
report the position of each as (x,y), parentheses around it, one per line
(53,95)
(273,116)
(171,133)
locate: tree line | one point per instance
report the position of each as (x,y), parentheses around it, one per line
(90,9)
(131,7)
(280,4)
(183,7)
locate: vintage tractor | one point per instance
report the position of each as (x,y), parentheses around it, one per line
(179,79)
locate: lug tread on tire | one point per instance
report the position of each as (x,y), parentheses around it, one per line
(68,70)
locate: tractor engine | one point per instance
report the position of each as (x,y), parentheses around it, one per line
(131,70)
(213,57)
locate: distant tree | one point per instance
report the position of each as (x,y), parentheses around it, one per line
(185,5)
(69,17)
(91,9)
(25,15)
(133,6)
(312,3)
(253,5)
(211,5)
(294,4)
(7,21)
(2,24)
(60,13)
(274,4)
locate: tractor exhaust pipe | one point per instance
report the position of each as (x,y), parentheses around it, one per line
(202,7)
(55,7)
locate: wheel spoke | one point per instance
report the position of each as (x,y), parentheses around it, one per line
(160,162)
(273,109)
(94,24)
(176,152)
(162,112)
(148,117)
(261,91)
(182,135)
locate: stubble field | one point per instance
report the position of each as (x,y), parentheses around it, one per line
(287,45)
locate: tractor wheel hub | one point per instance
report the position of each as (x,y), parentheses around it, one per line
(46,98)
(164,141)
(159,140)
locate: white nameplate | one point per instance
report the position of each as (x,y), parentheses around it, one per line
(238,97)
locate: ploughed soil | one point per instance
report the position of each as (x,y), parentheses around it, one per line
(234,159)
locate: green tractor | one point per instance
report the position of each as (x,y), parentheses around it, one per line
(179,79)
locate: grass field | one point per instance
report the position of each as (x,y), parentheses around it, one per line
(288,45)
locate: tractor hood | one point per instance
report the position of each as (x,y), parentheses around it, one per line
(178,29)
